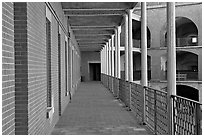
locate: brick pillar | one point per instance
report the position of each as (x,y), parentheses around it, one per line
(8,66)
(21,68)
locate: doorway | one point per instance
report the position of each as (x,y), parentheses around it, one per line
(95,71)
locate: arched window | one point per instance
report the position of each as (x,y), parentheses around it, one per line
(186,65)
(186,33)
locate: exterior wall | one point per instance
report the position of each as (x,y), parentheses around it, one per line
(24,94)
(8,70)
(38,123)
(156,20)
(85,58)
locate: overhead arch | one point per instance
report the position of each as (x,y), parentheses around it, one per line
(186,33)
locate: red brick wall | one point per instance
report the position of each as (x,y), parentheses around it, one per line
(8,76)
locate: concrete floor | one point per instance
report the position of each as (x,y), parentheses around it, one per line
(94,111)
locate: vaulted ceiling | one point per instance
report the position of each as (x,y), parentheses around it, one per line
(93,23)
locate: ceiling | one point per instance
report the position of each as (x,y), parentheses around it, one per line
(93,23)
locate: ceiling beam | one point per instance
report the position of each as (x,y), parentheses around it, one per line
(95,9)
(93,26)
(93,31)
(93,46)
(84,41)
(103,40)
(91,43)
(93,12)
(91,39)
(81,43)
(85,28)
(93,34)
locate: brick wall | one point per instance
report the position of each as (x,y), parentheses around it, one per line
(21,68)
(25,68)
(37,74)
(8,76)
(37,121)
(64,99)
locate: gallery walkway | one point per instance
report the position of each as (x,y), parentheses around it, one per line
(95,111)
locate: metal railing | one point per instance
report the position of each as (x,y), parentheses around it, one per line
(187,115)
(137,101)
(185,75)
(116,88)
(150,107)
(124,92)
(156,110)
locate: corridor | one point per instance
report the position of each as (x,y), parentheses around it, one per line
(94,110)
(146,74)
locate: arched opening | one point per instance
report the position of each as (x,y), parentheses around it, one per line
(137,35)
(186,33)
(186,65)
(187,92)
(137,66)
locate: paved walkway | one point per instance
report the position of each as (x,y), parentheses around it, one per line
(94,111)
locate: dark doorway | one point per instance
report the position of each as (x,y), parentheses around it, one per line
(187,92)
(95,71)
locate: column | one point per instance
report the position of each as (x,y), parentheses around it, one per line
(143,53)
(171,59)
(130,56)
(143,45)
(104,59)
(109,58)
(118,51)
(126,46)
(101,55)
(112,56)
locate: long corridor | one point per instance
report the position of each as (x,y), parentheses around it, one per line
(95,111)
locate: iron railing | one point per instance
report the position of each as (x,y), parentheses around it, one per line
(156,110)
(123,95)
(137,101)
(150,107)
(187,116)
(116,88)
